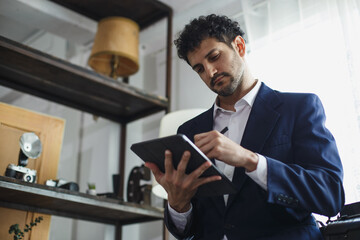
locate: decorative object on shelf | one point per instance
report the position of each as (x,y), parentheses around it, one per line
(18,234)
(139,193)
(168,126)
(61,183)
(91,189)
(115,193)
(115,182)
(115,52)
(30,147)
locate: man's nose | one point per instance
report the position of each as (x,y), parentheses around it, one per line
(211,70)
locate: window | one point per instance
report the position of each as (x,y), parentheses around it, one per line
(312,46)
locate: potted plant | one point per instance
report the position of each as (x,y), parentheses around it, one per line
(18,234)
(92,189)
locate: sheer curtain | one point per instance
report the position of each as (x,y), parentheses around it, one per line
(312,46)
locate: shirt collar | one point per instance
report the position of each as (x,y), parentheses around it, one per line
(249,99)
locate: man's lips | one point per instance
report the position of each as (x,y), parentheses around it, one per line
(217,78)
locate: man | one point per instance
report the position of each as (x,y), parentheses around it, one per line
(277,151)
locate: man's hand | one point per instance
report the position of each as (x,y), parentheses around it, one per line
(215,145)
(180,187)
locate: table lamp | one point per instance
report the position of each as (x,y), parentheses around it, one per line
(115,51)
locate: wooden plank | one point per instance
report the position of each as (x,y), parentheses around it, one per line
(144,12)
(39,74)
(56,201)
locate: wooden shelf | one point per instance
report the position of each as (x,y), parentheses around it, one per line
(61,202)
(144,12)
(39,74)
(31,71)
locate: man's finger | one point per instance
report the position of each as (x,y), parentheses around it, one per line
(202,181)
(204,139)
(154,169)
(168,163)
(200,136)
(181,168)
(200,170)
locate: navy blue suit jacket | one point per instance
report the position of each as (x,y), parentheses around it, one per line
(304,174)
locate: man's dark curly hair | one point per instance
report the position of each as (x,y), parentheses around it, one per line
(220,27)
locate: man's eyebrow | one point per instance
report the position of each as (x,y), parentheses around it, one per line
(206,56)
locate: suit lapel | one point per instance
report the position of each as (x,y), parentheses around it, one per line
(204,122)
(260,124)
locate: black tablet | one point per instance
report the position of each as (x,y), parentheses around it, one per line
(154,151)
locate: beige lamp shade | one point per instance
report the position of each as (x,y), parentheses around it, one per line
(168,126)
(116,47)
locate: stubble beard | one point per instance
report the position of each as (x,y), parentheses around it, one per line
(230,88)
(234,81)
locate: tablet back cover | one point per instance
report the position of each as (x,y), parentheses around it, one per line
(154,151)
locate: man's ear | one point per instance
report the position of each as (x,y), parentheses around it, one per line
(239,43)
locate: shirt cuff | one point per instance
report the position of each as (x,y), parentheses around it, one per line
(180,220)
(259,175)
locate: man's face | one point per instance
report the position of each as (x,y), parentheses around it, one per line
(218,65)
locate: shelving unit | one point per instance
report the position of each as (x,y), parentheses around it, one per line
(31,71)
(39,74)
(61,202)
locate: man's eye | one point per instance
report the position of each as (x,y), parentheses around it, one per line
(199,70)
(213,58)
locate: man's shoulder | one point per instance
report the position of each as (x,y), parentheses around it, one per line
(285,96)
(298,97)
(265,90)
(286,99)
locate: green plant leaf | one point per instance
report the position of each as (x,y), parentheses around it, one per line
(18,234)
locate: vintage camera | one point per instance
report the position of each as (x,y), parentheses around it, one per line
(22,173)
(30,147)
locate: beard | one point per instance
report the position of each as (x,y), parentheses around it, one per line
(228,89)
(237,66)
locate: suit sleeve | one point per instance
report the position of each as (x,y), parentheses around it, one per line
(311,176)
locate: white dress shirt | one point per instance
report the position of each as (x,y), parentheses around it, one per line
(236,122)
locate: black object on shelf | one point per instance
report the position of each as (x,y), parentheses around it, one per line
(139,193)
(115,193)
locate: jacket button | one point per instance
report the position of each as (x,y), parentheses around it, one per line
(281,198)
(228,226)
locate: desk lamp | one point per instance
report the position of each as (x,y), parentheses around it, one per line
(115,51)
